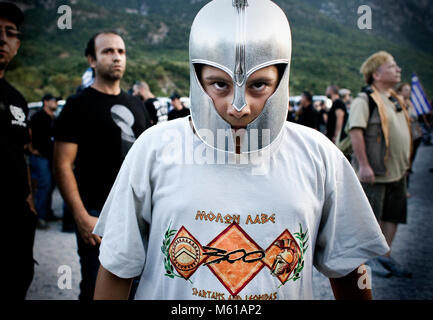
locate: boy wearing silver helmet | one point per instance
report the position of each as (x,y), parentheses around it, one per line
(234,202)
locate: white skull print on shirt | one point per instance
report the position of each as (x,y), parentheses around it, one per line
(124,119)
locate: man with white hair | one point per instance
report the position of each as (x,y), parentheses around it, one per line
(381,140)
(346,96)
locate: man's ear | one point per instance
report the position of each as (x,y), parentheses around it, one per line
(91,61)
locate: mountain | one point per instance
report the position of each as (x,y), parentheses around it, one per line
(405,22)
(328,46)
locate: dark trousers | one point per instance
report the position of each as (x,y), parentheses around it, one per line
(68,222)
(41,172)
(89,261)
(20,262)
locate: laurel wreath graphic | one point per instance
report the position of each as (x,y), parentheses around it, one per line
(302,241)
(165,248)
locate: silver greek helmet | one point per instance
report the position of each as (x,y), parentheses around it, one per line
(239,37)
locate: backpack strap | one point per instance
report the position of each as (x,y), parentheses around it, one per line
(367,90)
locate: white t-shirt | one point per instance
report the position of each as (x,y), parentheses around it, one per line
(251,230)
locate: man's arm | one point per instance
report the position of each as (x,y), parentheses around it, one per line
(64,157)
(339,124)
(366,173)
(111,287)
(29,198)
(348,287)
(31,148)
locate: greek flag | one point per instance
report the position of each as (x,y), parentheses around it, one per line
(418,97)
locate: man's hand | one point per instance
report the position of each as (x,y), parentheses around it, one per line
(35,152)
(31,203)
(366,174)
(85,225)
(29,198)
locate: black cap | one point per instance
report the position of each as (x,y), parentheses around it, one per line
(174,95)
(11,12)
(308,95)
(48,96)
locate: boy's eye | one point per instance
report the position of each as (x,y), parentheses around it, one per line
(220,85)
(258,85)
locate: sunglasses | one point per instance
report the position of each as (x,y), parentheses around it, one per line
(397,105)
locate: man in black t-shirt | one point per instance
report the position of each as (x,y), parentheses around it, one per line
(179,110)
(93,134)
(16,205)
(157,112)
(337,115)
(308,115)
(41,158)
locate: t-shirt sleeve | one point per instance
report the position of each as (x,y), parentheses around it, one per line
(348,234)
(151,110)
(340,105)
(67,126)
(359,114)
(124,222)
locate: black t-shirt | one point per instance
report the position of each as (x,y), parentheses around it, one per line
(152,105)
(310,117)
(14,134)
(174,114)
(104,127)
(42,133)
(332,117)
(322,113)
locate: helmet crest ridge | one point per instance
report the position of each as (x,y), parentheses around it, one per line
(240,3)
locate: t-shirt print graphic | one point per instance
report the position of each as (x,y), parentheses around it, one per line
(234,257)
(124,119)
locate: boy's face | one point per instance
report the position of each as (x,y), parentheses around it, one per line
(259,87)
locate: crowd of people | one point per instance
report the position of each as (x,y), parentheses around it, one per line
(118,197)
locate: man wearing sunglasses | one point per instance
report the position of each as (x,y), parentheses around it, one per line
(16,206)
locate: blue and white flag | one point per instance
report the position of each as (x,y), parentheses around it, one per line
(418,97)
(87,78)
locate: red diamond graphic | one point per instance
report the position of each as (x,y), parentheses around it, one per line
(234,258)
(186,253)
(282,256)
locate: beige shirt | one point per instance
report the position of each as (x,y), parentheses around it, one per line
(399,136)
